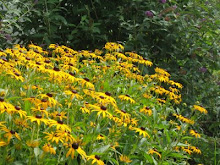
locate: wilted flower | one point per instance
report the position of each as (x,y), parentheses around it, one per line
(149,14)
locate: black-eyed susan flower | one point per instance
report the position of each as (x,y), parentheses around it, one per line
(194,133)
(53,137)
(21,123)
(124,158)
(127,98)
(38,118)
(73,93)
(65,135)
(184,119)
(59,124)
(95,159)
(58,115)
(75,147)
(141,131)
(17,110)
(48,148)
(49,99)
(123,114)
(195,150)
(100,137)
(10,133)
(102,111)
(200,109)
(154,151)
(146,110)
(85,110)
(40,110)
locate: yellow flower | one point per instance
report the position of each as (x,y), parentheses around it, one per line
(41,110)
(53,137)
(60,115)
(200,109)
(96,159)
(194,133)
(154,151)
(75,147)
(48,148)
(74,94)
(127,98)
(124,158)
(147,111)
(100,137)
(142,131)
(184,119)
(195,150)
(38,118)
(123,114)
(10,133)
(17,109)
(59,125)
(101,110)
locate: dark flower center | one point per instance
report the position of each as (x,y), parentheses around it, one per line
(17,107)
(56,69)
(12,132)
(17,74)
(38,63)
(123,111)
(60,121)
(2,99)
(58,114)
(75,146)
(47,61)
(108,93)
(142,128)
(38,116)
(27,58)
(147,108)
(103,108)
(86,79)
(49,94)
(70,64)
(102,97)
(44,100)
(97,157)
(74,91)
(127,95)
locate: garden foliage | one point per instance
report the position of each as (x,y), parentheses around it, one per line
(66,106)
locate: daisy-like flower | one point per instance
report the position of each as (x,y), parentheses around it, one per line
(85,110)
(127,98)
(96,159)
(200,109)
(142,131)
(17,109)
(123,114)
(194,133)
(102,110)
(74,94)
(75,147)
(10,133)
(124,158)
(184,119)
(65,135)
(59,115)
(195,149)
(38,118)
(100,137)
(187,150)
(48,148)
(41,110)
(49,97)
(59,125)
(146,110)
(4,106)
(154,151)
(85,82)
(53,136)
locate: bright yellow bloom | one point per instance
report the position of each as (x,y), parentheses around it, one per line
(33,143)
(101,110)
(147,111)
(38,118)
(10,133)
(124,158)
(153,151)
(74,94)
(2,143)
(194,133)
(127,98)
(59,125)
(48,148)
(96,159)
(100,137)
(142,131)
(75,147)
(200,109)
(184,119)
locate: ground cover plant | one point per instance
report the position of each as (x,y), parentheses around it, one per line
(62,106)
